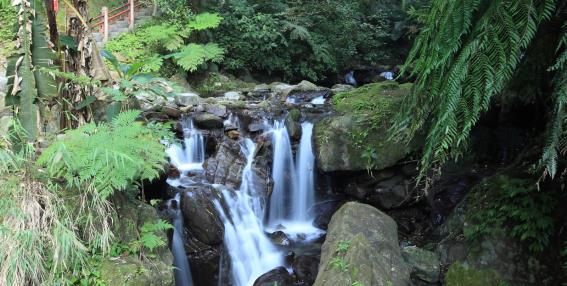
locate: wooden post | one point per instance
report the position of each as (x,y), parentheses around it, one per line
(105,24)
(131,14)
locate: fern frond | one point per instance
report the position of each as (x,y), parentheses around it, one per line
(194,55)
(466,53)
(204,21)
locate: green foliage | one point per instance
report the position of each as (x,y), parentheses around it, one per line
(466,54)
(149,238)
(27,84)
(8,22)
(37,233)
(339,263)
(343,246)
(504,205)
(460,275)
(306,38)
(557,131)
(154,43)
(107,157)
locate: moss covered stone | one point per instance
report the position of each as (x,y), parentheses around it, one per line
(358,138)
(461,275)
(129,270)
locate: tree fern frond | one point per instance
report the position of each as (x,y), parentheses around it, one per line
(466,53)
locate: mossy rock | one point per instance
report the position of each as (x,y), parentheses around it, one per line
(129,270)
(462,275)
(358,139)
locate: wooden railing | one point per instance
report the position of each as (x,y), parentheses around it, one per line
(106,17)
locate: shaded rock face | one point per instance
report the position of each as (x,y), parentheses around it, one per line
(226,166)
(278,276)
(200,214)
(424,264)
(500,253)
(130,270)
(390,188)
(305,268)
(324,210)
(372,255)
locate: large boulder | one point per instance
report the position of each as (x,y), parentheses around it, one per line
(208,121)
(361,246)
(201,216)
(357,138)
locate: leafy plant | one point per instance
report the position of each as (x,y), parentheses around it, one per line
(150,45)
(510,205)
(148,236)
(28,84)
(339,263)
(466,54)
(343,246)
(107,157)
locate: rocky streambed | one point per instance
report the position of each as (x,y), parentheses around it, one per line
(369,224)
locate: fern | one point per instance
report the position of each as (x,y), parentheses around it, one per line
(194,55)
(466,53)
(105,157)
(204,21)
(148,236)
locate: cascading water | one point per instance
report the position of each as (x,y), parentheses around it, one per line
(283,172)
(182,271)
(294,185)
(303,196)
(251,252)
(192,155)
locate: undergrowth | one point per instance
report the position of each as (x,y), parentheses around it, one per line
(505,205)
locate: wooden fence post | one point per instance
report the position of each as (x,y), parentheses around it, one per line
(131,14)
(105,24)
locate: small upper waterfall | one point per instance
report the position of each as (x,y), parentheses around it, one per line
(252,253)
(283,173)
(303,196)
(182,271)
(191,155)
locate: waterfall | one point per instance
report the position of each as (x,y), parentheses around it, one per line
(303,196)
(283,173)
(181,265)
(252,253)
(191,155)
(294,185)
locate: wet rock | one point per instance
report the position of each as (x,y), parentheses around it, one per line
(188,99)
(305,268)
(424,264)
(200,215)
(293,125)
(278,276)
(372,251)
(279,238)
(256,127)
(226,166)
(208,121)
(233,95)
(216,109)
(172,111)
